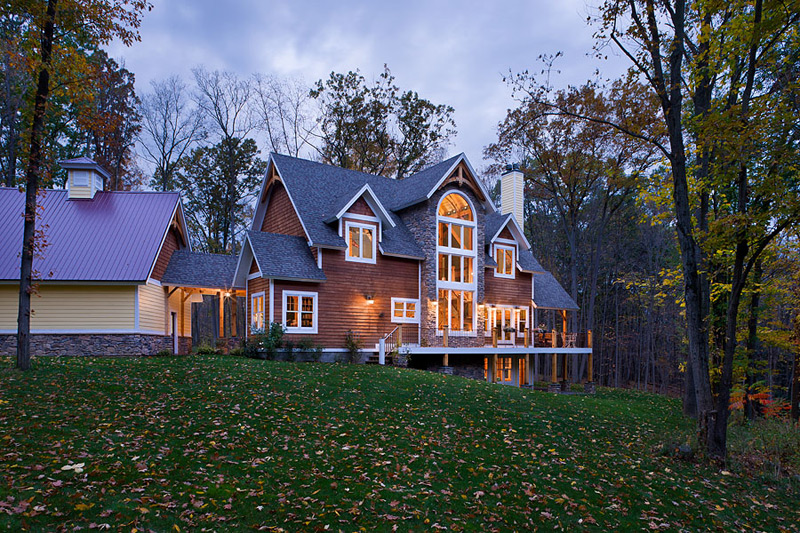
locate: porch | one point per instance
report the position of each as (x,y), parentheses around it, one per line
(557,358)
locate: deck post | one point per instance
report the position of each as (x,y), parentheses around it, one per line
(526,333)
(381,351)
(589,386)
(445,360)
(221,316)
(528,372)
(564,372)
(554,387)
(494,337)
(445,336)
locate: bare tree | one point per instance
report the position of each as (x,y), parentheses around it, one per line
(284,113)
(170,127)
(225,102)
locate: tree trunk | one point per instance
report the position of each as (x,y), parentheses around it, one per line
(31,191)
(751,409)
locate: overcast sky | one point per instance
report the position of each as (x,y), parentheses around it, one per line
(451,52)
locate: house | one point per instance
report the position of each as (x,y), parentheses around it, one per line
(426,265)
(116,274)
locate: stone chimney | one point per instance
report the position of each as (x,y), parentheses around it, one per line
(512,192)
(84,178)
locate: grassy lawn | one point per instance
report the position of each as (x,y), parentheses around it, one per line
(225,443)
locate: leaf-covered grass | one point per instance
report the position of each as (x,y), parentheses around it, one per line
(220,443)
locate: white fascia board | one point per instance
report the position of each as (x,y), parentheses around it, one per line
(516,231)
(487,202)
(163,238)
(240,276)
(372,201)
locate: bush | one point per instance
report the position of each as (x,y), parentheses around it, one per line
(353,345)
(767,446)
(307,344)
(163,353)
(205,349)
(238,352)
(264,343)
(288,347)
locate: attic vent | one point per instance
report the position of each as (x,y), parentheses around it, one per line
(84,178)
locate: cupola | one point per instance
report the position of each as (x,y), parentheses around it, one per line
(84,178)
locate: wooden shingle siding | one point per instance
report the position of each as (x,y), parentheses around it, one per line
(281,216)
(505,234)
(342,303)
(73,307)
(171,243)
(152,309)
(505,291)
(360,207)
(254,267)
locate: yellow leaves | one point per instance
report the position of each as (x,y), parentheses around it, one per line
(84,506)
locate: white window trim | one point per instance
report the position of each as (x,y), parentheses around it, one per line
(404,319)
(371,227)
(300,329)
(253,297)
(452,285)
(513,250)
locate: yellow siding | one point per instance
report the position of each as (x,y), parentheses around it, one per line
(175,306)
(152,309)
(73,308)
(9,302)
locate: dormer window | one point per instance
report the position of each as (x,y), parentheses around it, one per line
(360,242)
(504,257)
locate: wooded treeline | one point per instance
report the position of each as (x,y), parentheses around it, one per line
(666,202)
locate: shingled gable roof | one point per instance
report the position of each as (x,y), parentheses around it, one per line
(200,270)
(115,237)
(319,191)
(277,256)
(495,222)
(549,294)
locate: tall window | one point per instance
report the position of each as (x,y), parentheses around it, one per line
(456,245)
(300,312)
(257,310)
(360,242)
(504,256)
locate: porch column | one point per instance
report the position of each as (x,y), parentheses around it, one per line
(221,315)
(589,386)
(528,372)
(554,387)
(564,376)
(234,315)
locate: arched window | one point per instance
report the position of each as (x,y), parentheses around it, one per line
(456,256)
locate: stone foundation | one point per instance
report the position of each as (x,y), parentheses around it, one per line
(95,344)
(554,387)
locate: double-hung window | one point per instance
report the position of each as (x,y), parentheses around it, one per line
(360,242)
(257,311)
(405,310)
(300,312)
(504,257)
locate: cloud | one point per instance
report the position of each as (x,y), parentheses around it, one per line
(450,52)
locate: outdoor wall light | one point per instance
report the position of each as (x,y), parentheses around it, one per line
(370,298)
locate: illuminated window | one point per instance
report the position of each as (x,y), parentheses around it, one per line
(360,242)
(405,310)
(502,369)
(504,257)
(300,312)
(522,322)
(456,257)
(257,311)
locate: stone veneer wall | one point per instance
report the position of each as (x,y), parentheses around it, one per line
(421,221)
(95,344)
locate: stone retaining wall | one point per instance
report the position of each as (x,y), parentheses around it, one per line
(95,344)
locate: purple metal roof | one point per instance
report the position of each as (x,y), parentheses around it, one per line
(114,237)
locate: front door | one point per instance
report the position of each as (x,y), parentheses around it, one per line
(504,320)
